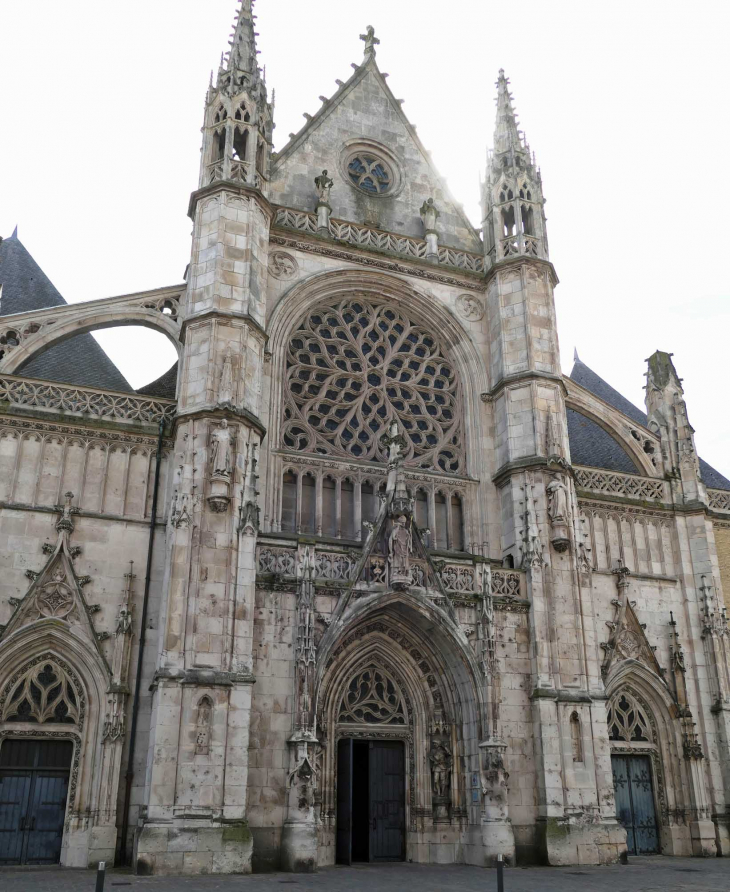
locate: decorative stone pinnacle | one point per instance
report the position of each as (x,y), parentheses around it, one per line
(370,41)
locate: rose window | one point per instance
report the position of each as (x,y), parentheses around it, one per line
(370,173)
(352,368)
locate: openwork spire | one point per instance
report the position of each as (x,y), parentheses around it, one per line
(506,134)
(241,58)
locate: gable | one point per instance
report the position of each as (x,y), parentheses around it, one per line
(364,109)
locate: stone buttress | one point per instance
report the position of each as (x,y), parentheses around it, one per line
(195,817)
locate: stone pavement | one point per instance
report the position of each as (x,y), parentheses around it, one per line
(640,875)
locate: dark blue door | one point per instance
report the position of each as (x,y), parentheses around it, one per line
(635,803)
(33,791)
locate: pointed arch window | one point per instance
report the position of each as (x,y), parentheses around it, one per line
(373,698)
(242,113)
(505,193)
(525,192)
(289,502)
(220,115)
(44,693)
(627,720)
(576,738)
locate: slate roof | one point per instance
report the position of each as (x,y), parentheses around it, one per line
(590,445)
(79,360)
(163,387)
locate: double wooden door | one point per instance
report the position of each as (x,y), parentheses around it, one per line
(370,801)
(635,803)
(33,790)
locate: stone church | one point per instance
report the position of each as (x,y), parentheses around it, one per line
(364,576)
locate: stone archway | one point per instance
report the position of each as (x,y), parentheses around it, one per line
(77,717)
(644,721)
(25,335)
(426,701)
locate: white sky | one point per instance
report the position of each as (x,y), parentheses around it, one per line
(625,103)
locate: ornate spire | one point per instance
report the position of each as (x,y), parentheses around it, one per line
(243,50)
(241,58)
(506,134)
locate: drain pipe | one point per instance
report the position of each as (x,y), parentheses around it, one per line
(140,654)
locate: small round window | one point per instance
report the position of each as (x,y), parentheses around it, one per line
(370,173)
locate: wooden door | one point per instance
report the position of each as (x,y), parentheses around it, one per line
(387,801)
(344,802)
(33,790)
(635,803)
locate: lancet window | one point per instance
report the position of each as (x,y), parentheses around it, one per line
(325,504)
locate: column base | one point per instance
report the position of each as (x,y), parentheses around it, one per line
(498,838)
(569,841)
(704,840)
(299,847)
(184,847)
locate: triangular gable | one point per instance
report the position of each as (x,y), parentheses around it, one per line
(55,597)
(628,639)
(365,109)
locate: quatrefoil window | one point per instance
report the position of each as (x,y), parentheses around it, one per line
(370,173)
(353,367)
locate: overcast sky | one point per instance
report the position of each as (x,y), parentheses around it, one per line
(625,104)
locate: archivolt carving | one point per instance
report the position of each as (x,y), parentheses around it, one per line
(372,697)
(352,368)
(43,692)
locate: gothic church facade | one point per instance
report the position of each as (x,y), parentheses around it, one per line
(364,577)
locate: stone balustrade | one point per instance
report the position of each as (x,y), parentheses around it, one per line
(367,237)
(719,499)
(631,485)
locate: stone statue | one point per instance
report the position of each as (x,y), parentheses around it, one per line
(557,501)
(429,215)
(225,388)
(221,464)
(399,550)
(324,185)
(440,759)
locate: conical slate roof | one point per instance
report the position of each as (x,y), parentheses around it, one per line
(591,445)
(80,360)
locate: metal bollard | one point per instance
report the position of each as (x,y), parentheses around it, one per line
(100,874)
(500,873)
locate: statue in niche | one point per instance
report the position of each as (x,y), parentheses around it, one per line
(557,501)
(441,761)
(399,550)
(324,184)
(221,437)
(202,736)
(225,389)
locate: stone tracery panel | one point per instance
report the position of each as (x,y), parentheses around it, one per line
(352,367)
(372,697)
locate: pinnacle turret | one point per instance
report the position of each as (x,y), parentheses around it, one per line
(512,199)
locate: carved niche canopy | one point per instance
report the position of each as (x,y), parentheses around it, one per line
(354,366)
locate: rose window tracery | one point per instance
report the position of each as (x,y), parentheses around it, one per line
(353,367)
(372,697)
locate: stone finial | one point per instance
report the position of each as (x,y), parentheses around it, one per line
(370,42)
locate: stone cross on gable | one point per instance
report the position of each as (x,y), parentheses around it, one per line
(370,41)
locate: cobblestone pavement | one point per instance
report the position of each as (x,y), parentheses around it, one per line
(640,875)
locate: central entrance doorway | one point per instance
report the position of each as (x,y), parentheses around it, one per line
(33,790)
(635,803)
(371,813)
